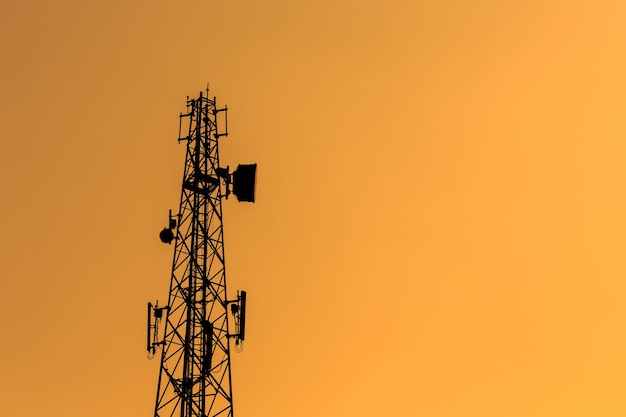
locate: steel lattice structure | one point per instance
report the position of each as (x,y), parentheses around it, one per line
(195,373)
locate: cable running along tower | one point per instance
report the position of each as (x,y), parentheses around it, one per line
(195,331)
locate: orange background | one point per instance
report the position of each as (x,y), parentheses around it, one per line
(440,218)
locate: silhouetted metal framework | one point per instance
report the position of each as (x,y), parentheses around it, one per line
(195,374)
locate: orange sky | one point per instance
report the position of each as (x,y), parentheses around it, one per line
(439,223)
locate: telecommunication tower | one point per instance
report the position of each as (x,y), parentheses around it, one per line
(195,338)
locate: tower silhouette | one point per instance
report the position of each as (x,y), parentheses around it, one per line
(196,330)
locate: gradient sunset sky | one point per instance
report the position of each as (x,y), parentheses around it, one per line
(440,221)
